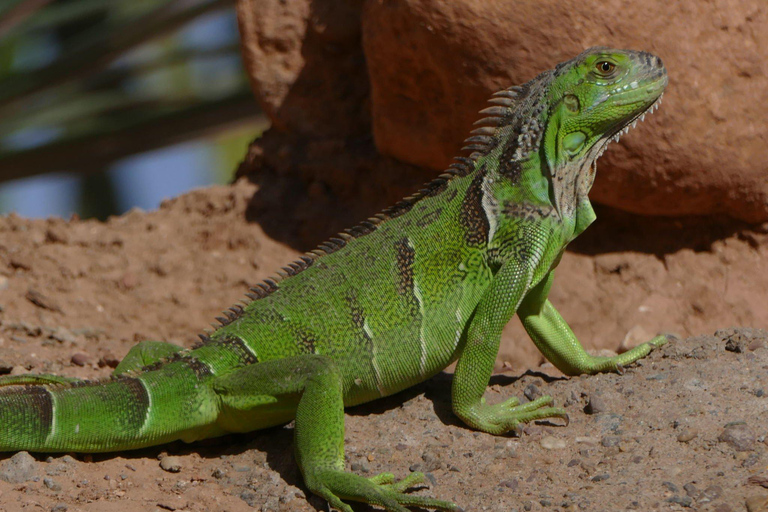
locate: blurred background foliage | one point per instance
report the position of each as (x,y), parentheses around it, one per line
(110,104)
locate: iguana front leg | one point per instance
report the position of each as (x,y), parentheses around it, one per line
(559,345)
(311,386)
(475,364)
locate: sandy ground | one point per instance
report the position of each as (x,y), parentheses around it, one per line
(685,429)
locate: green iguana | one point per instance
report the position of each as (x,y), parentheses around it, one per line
(383,306)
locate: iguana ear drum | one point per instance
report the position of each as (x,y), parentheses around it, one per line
(571,102)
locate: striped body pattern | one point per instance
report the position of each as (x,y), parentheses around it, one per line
(386,304)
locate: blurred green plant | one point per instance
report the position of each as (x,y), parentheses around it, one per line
(84,83)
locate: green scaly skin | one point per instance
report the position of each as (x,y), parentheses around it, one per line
(385,305)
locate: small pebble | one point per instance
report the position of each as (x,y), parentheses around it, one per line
(670,486)
(180,486)
(51,484)
(19,370)
(687,435)
(757,504)
(251,498)
(711,493)
(62,335)
(108,360)
(509,484)
(171,464)
(532,392)
(552,443)
(739,436)
(608,441)
(596,405)
(683,501)
(5,367)
(20,468)
(752,459)
(80,359)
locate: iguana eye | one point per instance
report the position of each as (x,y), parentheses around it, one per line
(605,67)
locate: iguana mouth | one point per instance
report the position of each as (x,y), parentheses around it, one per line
(619,132)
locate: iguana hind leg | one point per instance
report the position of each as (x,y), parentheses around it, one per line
(141,355)
(559,345)
(311,386)
(144,354)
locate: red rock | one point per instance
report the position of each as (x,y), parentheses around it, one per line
(432,65)
(306,64)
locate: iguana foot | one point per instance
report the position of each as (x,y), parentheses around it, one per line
(381,490)
(509,415)
(597,364)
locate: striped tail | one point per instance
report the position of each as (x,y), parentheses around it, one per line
(121,413)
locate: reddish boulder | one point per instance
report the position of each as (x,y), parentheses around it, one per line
(306,64)
(432,65)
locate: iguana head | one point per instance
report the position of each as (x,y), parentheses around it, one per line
(543,137)
(597,96)
(571,113)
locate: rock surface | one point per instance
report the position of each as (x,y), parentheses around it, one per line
(20,468)
(306,64)
(317,167)
(433,64)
